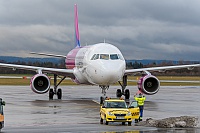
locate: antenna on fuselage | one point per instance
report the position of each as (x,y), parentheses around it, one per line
(77,37)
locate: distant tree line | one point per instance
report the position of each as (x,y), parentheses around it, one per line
(4,70)
(176,72)
(129,65)
(135,65)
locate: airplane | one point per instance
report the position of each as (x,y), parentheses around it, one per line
(99,64)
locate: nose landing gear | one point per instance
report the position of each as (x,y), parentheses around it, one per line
(119,92)
(103,88)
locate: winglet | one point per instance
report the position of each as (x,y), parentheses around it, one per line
(77,37)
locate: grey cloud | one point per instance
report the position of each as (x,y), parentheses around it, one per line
(140,29)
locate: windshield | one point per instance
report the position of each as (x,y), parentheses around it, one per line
(104,56)
(114,57)
(107,57)
(95,56)
(113,104)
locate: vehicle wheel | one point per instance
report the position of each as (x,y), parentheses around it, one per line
(101,121)
(129,123)
(51,93)
(59,93)
(119,93)
(101,100)
(136,120)
(106,122)
(123,123)
(127,94)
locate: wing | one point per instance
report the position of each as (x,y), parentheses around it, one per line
(164,81)
(45,54)
(64,72)
(160,69)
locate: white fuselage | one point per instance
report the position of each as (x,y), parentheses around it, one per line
(100,64)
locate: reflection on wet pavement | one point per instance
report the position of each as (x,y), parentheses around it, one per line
(78,109)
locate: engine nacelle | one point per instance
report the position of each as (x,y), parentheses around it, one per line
(79,77)
(148,84)
(40,83)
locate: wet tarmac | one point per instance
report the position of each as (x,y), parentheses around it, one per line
(78,111)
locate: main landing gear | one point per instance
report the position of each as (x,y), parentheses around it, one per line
(119,92)
(123,91)
(54,91)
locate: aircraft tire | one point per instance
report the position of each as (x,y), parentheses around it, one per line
(51,93)
(101,121)
(59,93)
(127,94)
(101,100)
(119,93)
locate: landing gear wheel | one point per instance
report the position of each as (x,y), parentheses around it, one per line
(51,93)
(127,94)
(101,100)
(119,93)
(123,123)
(101,121)
(59,93)
(129,123)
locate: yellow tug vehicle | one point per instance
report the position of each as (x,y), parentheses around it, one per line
(116,110)
(2,103)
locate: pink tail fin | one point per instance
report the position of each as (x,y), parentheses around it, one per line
(77,37)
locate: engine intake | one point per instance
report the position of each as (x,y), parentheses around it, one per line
(40,83)
(149,84)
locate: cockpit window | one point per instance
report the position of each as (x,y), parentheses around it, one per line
(114,57)
(95,56)
(104,56)
(120,57)
(107,57)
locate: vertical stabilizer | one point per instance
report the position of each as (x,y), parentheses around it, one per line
(77,37)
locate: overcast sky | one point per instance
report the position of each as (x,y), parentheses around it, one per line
(141,29)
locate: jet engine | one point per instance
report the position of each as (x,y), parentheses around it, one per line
(40,83)
(148,84)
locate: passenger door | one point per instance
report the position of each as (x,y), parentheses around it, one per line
(134,109)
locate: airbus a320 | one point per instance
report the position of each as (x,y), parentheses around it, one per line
(99,64)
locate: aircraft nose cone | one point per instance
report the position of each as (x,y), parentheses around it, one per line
(108,74)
